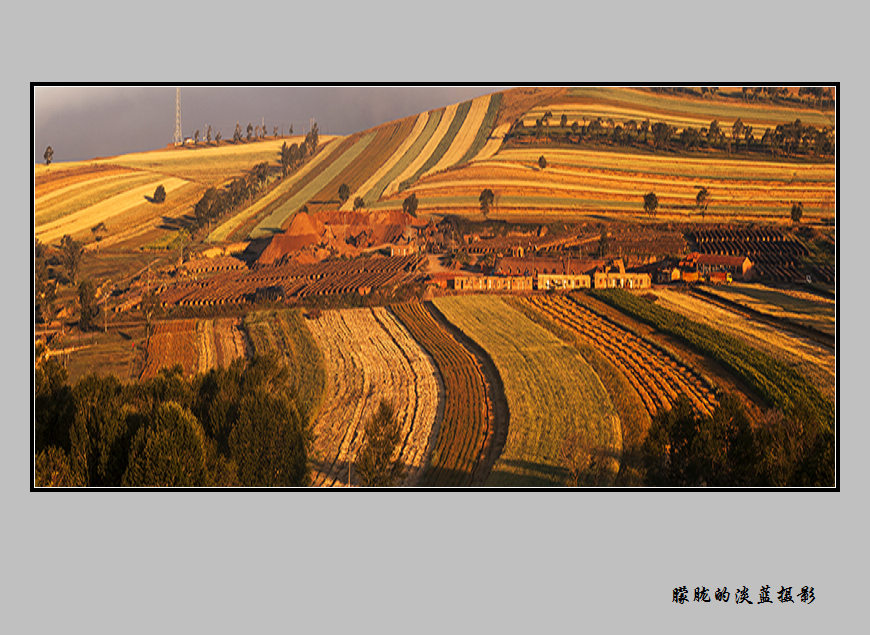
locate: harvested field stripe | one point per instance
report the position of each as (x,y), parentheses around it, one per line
(493,144)
(442,148)
(368,356)
(82,199)
(366,189)
(484,130)
(223,231)
(390,181)
(100,178)
(88,217)
(417,163)
(272,224)
(467,134)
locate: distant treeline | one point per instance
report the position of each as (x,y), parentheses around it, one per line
(817,96)
(238,426)
(794,139)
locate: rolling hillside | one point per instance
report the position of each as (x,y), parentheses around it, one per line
(447,156)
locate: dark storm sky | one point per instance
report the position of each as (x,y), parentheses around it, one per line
(85,122)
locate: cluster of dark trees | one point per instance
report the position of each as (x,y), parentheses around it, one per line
(789,140)
(238,426)
(726,449)
(216,202)
(294,155)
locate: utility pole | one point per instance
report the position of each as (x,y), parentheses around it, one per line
(177,139)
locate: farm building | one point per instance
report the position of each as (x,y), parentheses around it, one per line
(551,281)
(740,267)
(493,283)
(621,280)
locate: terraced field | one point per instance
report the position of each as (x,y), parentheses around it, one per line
(80,222)
(73,197)
(777,383)
(466,433)
(552,392)
(657,377)
(813,360)
(623,104)
(370,356)
(198,345)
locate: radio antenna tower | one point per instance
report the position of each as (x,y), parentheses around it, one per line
(178,138)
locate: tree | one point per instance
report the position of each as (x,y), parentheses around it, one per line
(409,205)
(237,133)
(44,291)
(797,211)
(89,310)
(71,252)
(49,153)
(650,203)
(563,121)
(661,134)
(542,162)
(52,469)
(714,134)
(644,129)
(218,137)
(358,203)
(737,132)
(286,159)
(486,198)
(586,463)
(375,466)
(208,134)
(250,130)
(159,194)
(701,200)
(274,131)
(267,441)
(603,245)
(169,450)
(196,137)
(343,193)
(99,434)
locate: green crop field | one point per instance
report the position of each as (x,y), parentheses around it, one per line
(552,392)
(285,333)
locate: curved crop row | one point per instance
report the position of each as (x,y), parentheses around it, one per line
(370,356)
(777,383)
(657,378)
(552,392)
(466,428)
